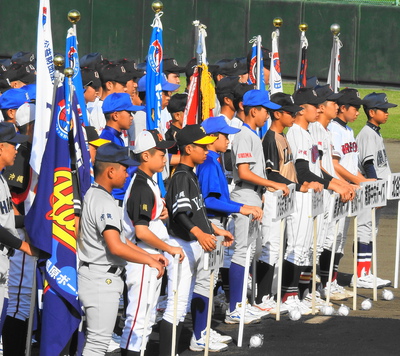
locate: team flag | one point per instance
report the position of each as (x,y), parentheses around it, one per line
(191,113)
(334,67)
(44,84)
(72,58)
(302,67)
(275,78)
(256,72)
(50,224)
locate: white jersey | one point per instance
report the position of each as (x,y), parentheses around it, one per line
(323,138)
(371,147)
(303,147)
(344,145)
(97,118)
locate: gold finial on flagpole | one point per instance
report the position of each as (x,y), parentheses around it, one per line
(335,29)
(68,72)
(157,6)
(278,22)
(303,27)
(58,60)
(74,16)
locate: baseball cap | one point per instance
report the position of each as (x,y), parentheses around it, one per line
(93,137)
(165,85)
(230,67)
(90,60)
(312,82)
(257,97)
(241,89)
(90,77)
(326,92)
(172,66)
(266,53)
(8,134)
(286,102)
(13,98)
(31,90)
(114,72)
(131,68)
(151,139)
(227,85)
(377,101)
(23,58)
(111,152)
(218,124)
(23,72)
(177,103)
(25,114)
(307,96)
(193,134)
(350,97)
(119,102)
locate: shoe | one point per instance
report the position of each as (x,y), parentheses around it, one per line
(367,282)
(233,317)
(267,304)
(293,302)
(114,343)
(337,292)
(262,314)
(319,302)
(217,337)
(200,344)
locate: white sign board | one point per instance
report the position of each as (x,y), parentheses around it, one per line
(375,193)
(282,206)
(356,205)
(393,190)
(337,209)
(316,203)
(215,259)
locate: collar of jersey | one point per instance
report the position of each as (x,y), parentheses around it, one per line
(98,186)
(340,122)
(244,124)
(113,131)
(374,127)
(140,172)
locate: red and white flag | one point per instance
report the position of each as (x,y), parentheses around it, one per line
(275,78)
(334,67)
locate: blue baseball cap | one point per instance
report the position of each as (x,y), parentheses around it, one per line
(31,90)
(377,101)
(218,124)
(111,152)
(13,98)
(119,102)
(257,97)
(165,85)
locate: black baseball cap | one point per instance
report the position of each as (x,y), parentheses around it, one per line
(131,68)
(9,135)
(172,66)
(377,101)
(90,77)
(227,85)
(350,97)
(307,96)
(177,103)
(241,89)
(114,72)
(23,58)
(286,102)
(230,67)
(326,92)
(26,73)
(193,134)
(111,152)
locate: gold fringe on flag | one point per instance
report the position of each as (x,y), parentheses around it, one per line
(207,92)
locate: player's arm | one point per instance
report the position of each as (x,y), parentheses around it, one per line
(8,239)
(228,237)
(343,172)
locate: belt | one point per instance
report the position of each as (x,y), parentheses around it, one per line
(112,269)
(10,251)
(257,188)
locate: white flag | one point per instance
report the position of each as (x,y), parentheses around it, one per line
(44,87)
(334,67)
(275,79)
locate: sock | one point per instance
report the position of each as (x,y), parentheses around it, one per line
(305,282)
(364,259)
(290,279)
(265,275)
(14,336)
(199,314)
(324,262)
(337,258)
(225,281)
(166,337)
(236,278)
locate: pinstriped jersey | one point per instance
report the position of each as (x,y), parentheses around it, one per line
(7,219)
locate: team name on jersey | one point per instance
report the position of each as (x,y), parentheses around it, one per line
(381,158)
(198,201)
(349,147)
(287,156)
(6,206)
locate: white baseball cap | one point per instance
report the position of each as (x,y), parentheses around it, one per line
(151,139)
(25,114)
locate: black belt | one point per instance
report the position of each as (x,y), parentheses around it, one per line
(112,269)
(256,188)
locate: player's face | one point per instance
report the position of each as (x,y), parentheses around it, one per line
(199,153)
(221,143)
(131,87)
(243,78)
(8,152)
(287,118)
(311,112)
(158,161)
(379,116)
(350,114)
(120,175)
(261,116)
(125,119)
(331,109)
(174,78)
(89,94)
(166,97)
(119,87)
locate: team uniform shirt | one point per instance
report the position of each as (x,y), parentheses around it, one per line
(214,187)
(323,137)
(97,118)
(184,196)
(371,147)
(138,125)
(278,156)
(303,147)
(7,219)
(100,211)
(344,145)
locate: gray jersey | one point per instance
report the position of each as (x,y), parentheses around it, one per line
(7,219)
(99,210)
(371,147)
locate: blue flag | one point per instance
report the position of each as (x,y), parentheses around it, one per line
(72,60)
(50,224)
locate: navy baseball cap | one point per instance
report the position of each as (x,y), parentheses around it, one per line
(111,152)
(119,102)
(8,134)
(258,97)
(350,97)
(193,134)
(23,58)
(26,73)
(218,124)
(377,101)
(326,92)
(172,66)
(90,60)
(13,98)
(286,102)
(114,72)
(147,140)
(307,96)
(165,85)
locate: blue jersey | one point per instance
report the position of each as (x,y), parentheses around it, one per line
(214,187)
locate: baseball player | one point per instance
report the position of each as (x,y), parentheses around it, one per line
(146,210)
(250,181)
(103,249)
(190,229)
(373,163)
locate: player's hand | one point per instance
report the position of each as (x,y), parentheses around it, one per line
(161,258)
(29,249)
(252,210)
(164,214)
(346,193)
(317,187)
(283,187)
(177,251)
(160,268)
(370,180)
(207,242)
(228,238)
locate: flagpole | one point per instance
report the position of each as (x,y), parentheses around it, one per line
(303,27)
(258,83)
(334,76)
(74,16)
